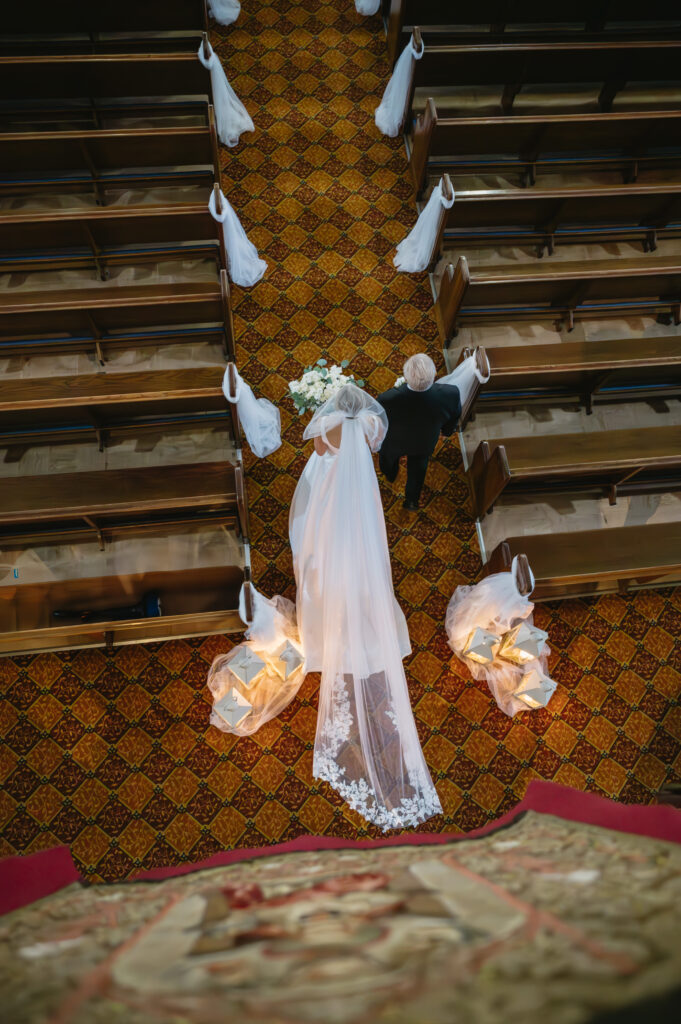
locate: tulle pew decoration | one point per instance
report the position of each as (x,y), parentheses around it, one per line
(367,6)
(254,682)
(243,263)
(230,114)
(471,372)
(225,12)
(391,112)
(259,418)
(490,628)
(418,250)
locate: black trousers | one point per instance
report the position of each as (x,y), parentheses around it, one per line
(389,462)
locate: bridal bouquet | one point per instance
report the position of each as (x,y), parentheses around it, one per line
(319,383)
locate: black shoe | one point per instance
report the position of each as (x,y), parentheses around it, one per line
(411,506)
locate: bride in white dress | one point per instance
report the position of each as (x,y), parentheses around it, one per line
(351,627)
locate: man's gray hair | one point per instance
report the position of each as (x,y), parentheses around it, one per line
(419,372)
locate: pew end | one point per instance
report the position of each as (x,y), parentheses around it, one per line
(488,475)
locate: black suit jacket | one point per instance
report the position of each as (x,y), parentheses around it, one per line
(417,418)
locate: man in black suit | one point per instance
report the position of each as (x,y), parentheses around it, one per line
(418,412)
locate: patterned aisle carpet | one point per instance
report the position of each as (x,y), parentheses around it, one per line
(114,755)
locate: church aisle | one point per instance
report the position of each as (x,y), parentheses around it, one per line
(113,754)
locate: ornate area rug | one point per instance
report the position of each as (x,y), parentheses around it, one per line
(114,755)
(536,918)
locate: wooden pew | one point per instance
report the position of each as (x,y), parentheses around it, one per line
(546,217)
(627,460)
(100,87)
(64,507)
(194,602)
(92,319)
(123,16)
(590,562)
(628,141)
(99,161)
(627,368)
(512,66)
(103,236)
(43,410)
(79,26)
(438,16)
(560,291)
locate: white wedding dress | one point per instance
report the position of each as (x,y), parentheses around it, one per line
(351,628)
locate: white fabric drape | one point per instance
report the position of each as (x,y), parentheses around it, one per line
(496,605)
(414,252)
(244,265)
(465,376)
(260,419)
(367,6)
(390,114)
(351,627)
(224,11)
(274,622)
(230,114)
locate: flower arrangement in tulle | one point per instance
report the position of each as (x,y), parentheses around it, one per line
(319,383)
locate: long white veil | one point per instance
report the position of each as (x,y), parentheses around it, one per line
(366,745)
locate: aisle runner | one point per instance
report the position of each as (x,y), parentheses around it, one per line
(325,199)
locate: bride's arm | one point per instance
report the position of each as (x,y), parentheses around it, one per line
(333,437)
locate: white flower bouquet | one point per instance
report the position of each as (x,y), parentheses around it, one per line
(319,383)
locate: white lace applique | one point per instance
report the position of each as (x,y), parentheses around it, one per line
(358,794)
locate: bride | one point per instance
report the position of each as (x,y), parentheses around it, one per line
(351,627)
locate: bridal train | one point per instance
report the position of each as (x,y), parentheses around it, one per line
(351,628)
(348,626)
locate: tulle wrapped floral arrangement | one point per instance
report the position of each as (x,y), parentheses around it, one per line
(318,384)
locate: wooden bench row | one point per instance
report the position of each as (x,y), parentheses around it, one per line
(601,462)
(548,217)
(560,292)
(514,66)
(106,160)
(629,368)
(438,16)
(100,27)
(99,88)
(68,507)
(44,410)
(589,562)
(92,319)
(123,16)
(103,236)
(526,144)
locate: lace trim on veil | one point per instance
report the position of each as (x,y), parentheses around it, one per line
(358,793)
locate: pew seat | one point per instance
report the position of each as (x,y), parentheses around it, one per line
(587,370)
(81,26)
(117,492)
(38,410)
(90,319)
(547,217)
(511,66)
(632,460)
(591,562)
(560,292)
(84,16)
(103,236)
(493,17)
(629,141)
(194,602)
(100,160)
